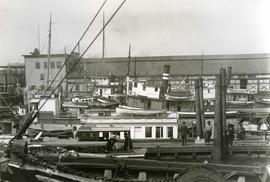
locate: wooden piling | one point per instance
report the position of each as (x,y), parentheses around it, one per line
(223,106)
(218,154)
(201,105)
(198,110)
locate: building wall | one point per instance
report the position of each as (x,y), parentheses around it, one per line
(51,105)
(36,76)
(180,65)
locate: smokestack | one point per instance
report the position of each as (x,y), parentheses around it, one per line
(165,78)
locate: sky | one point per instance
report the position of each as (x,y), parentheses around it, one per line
(152,27)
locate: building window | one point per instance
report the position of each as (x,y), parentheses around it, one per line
(159,132)
(41,76)
(37,65)
(156,89)
(243,83)
(52,65)
(135,84)
(170,132)
(45,65)
(144,87)
(58,64)
(148,132)
(77,87)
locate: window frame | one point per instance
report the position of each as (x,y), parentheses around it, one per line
(37,65)
(147,130)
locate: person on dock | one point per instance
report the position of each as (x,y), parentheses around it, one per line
(208,132)
(128,143)
(75,132)
(231,133)
(242,132)
(184,132)
(264,128)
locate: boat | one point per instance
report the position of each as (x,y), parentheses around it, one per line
(176,97)
(126,110)
(264,101)
(98,102)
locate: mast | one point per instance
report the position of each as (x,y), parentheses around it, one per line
(129,58)
(85,84)
(103,43)
(128,72)
(202,66)
(49,51)
(103,36)
(38,39)
(135,69)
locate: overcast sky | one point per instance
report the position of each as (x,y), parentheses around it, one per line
(152,27)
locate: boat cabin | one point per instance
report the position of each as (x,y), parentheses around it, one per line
(88,133)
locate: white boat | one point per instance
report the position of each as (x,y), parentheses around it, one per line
(263,101)
(176,97)
(124,111)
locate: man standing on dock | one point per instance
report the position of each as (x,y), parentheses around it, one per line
(184,132)
(208,132)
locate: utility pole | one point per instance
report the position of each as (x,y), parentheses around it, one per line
(49,51)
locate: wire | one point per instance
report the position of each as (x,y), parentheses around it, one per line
(75,64)
(66,60)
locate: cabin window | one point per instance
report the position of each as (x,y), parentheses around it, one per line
(243,83)
(100,114)
(135,84)
(148,132)
(58,64)
(37,65)
(45,65)
(41,76)
(77,87)
(52,65)
(159,132)
(170,132)
(149,104)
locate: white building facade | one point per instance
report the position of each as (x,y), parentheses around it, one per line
(38,70)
